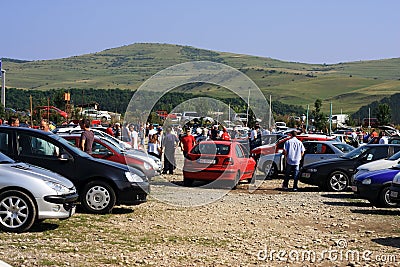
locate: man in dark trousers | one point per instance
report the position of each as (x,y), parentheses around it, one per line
(169,143)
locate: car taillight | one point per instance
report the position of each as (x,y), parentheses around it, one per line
(228,161)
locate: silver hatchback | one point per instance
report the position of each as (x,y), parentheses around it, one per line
(30,194)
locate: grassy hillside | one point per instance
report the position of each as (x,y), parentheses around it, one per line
(347,85)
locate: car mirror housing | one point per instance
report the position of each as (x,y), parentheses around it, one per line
(64,157)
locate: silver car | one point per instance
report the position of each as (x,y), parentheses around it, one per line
(273,164)
(30,194)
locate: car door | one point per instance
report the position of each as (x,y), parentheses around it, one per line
(44,152)
(317,152)
(243,157)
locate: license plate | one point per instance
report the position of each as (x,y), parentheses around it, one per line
(394,193)
(354,188)
(206,161)
(306,175)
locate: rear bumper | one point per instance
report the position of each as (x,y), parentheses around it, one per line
(210,175)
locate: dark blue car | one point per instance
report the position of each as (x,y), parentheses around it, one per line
(374,186)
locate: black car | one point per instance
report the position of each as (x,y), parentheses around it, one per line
(101,184)
(335,174)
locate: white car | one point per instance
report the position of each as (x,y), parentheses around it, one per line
(96,114)
(189,115)
(30,194)
(379,164)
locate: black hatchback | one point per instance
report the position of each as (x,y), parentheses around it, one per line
(101,184)
(335,174)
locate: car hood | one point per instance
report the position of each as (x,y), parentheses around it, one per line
(23,169)
(378,165)
(379,176)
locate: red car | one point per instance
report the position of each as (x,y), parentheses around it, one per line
(218,160)
(49,110)
(277,147)
(104,150)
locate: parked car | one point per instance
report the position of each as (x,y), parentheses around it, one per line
(335,174)
(273,164)
(374,186)
(104,149)
(29,194)
(394,189)
(101,184)
(189,115)
(218,160)
(277,147)
(96,114)
(379,164)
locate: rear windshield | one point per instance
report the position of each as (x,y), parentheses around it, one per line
(210,148)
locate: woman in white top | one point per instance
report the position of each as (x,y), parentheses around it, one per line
(154,147)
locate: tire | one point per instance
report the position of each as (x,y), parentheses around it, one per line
(187,182)
(338,181)
(17,211)
(270,169)
(383,199)
(236,181)
(98,197)
(104,119)
(253,178)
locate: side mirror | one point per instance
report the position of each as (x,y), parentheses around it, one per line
(63,157)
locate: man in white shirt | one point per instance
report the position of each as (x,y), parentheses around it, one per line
(293,150)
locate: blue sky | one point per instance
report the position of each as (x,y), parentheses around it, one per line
(308,31)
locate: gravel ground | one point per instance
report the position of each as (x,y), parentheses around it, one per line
(243,227)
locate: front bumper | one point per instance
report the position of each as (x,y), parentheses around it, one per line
(369,192)
(394,194)
(310,178)
(57,206)
(133,193)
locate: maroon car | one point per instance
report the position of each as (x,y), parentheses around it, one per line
(105,150)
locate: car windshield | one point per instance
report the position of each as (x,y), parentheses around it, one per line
(211,148)
(112,144)
(4,159)
(345,148)
(395,156)
(355,153)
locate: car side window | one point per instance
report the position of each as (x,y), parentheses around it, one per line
(4,143)
(99,149)
(376,153)
(32,145)
(239,152)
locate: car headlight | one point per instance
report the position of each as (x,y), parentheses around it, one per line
(147,166)
(367,181)
(311,170)
(396,179)
(59,188)
(133,178)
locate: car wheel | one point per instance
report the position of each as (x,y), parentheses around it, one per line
(187,182)
(338,181)
(104,119)
(253,178)
(98,197)
(17,211)
(384,200)
(270,170)
(236,181)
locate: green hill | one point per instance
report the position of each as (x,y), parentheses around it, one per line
(347,85)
